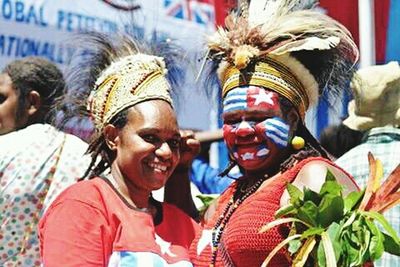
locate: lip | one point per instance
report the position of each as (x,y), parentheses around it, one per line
(247,144)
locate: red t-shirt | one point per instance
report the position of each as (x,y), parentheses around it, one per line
(90,224)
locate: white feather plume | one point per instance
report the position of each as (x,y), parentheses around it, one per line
(310,43)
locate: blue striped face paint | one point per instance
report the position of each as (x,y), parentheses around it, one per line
(276,129)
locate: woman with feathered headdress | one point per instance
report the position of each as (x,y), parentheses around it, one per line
(111,219)
(273,60)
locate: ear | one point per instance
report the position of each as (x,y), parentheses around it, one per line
(111,136)
(293,118)
(34,102)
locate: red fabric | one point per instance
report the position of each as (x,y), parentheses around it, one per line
(89,221)
(346,12)
(222,8)
(245,246)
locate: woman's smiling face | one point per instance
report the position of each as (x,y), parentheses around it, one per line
(256,129)
(147,147)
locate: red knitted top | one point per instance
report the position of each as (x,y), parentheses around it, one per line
(241,244)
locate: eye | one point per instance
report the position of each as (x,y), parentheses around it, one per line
(2,98)
(174,143)
(231,121)
(150,138)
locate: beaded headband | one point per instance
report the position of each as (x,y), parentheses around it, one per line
(127,82)
(270,74)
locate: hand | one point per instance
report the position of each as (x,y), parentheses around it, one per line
(190,148)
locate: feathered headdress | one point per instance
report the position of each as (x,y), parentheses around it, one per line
(116,72)
(285,46)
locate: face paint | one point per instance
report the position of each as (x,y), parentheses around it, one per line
(276,129)
(252,142)
(243,98)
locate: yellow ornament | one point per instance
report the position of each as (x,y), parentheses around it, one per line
(298,142)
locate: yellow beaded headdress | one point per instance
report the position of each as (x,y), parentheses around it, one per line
(126,82)
(285,46)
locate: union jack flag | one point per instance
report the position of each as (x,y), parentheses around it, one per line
(202,12)
(177,9)
(198,11)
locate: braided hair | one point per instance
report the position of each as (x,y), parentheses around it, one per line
(101,154)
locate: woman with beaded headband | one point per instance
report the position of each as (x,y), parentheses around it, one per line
(273,60)
(111,219)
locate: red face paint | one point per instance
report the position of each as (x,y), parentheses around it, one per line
(246,137)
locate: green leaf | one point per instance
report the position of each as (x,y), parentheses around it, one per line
(350,220)
(285,211)
(296,196)
(334,234)
(364,239)
(350,253)
(329,176)
(308,213)
(352,200)
(331,187)
(376,247)
(328,249)
(330,210)
(321,259)
(294,246)
(312,231)
(277,248)
(276,222)
(386,226)
(390,245)
(304,253)
(310,195)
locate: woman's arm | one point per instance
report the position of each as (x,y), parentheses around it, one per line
(177,189)
(313,175)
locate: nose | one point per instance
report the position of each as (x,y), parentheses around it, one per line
(244,129)
(164,151)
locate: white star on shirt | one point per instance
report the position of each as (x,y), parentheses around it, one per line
(204,241)
(263,97)
(164,246)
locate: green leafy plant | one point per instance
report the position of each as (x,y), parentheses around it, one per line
(328,229)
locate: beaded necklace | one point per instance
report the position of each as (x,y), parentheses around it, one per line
(230,208)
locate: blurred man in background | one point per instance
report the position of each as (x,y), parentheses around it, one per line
(37,161)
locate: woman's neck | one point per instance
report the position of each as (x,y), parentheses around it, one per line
(134,195)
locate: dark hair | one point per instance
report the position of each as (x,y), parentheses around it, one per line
(338,139)
(41,75)
(98,147)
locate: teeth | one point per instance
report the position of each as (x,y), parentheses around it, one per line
(159,167)
(262,152)
(247,156)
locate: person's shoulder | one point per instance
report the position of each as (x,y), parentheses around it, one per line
(76,141)
(313,174)
(86,191)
